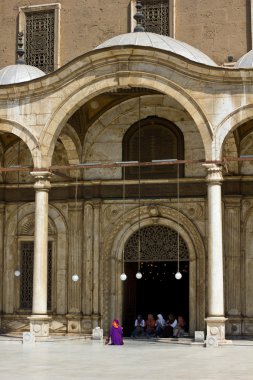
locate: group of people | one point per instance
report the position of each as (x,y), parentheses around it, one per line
(159,328)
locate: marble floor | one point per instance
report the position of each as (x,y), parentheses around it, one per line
(136,360)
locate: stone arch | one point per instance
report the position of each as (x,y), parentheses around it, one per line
(125,114)
(58,224)
(26,136)
(231,122)
(71,142)
(166,216)
(112,81)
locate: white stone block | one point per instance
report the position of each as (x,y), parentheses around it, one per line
(211,341)
(97,333)
(199,336)
(28,338)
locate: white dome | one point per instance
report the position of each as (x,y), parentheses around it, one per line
(19,73)
(160,42)
(246,61)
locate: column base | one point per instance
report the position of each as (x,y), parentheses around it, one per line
(39,325)
(216,331)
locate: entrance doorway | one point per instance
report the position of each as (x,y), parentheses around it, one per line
(158,291)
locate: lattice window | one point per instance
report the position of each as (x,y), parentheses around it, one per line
(39,40)
(26,278)
(159,139)
(156,16)
(158,243)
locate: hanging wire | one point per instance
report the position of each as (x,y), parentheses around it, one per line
(17,271)
(123,276)
(138,274)
(75,276)
(178,275)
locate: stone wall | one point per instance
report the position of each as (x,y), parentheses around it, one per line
(217,28)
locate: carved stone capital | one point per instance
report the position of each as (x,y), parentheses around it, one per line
(214,173)
(42,180)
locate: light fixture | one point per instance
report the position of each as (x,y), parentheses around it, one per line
(138,274)
(123,276)
(178,275)
(17,272)
(75,277)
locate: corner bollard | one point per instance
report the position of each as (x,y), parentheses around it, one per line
(97,334)
(211,341)
(199,337)
(28,338)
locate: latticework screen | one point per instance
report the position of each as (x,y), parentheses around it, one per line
(156,16)
(39,40)
(26,278)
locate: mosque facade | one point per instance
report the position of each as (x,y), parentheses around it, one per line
(126,147)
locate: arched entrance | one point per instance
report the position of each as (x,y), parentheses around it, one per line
(158,291)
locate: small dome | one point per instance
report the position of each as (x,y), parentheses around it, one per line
(246,61)
(160,42)
(19,73)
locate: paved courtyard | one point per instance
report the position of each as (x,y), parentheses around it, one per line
(135,360)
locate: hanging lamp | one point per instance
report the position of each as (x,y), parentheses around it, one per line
(178,275)
(17,272)
(123,276)
(139,274)
(75,276)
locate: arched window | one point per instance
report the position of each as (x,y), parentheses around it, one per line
(160,139)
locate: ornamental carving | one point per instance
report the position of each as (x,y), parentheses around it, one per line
(157,243)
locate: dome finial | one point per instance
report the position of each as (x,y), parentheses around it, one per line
(20,49)
(139,17)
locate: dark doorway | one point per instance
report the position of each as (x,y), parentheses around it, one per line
(158,292)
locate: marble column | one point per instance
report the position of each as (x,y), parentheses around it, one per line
(215,320)
(39,321)
(74,315)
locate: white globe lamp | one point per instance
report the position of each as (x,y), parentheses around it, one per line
(123,277)
(178,276)
(75,277)
(138,275)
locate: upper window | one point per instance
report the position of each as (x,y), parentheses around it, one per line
(153,138)
(40,25)
(158,16)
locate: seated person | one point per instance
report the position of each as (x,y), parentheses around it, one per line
(150,326)
(179,330)
(115,335)
(159,325)
(139,325)
(170,325)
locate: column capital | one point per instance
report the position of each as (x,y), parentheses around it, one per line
(214,173)
(42,180)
